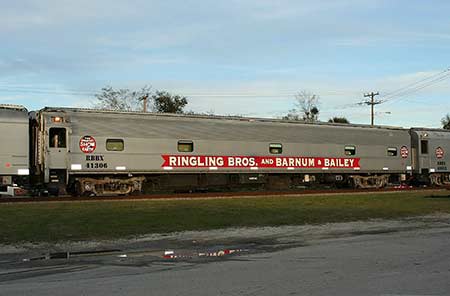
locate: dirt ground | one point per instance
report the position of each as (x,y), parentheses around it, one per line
(260,238)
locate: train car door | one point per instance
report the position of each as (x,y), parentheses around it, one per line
(414,158)
(424,158)
(57,148)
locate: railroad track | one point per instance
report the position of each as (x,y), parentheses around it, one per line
(211,195)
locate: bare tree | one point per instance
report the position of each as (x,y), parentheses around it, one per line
(446,122)
(121,99)
(306,107)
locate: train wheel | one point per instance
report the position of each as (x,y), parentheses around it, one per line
(89,194)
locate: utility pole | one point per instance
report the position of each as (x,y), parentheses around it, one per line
(144,100)
(372,103)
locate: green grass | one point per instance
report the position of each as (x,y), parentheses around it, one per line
(52,221)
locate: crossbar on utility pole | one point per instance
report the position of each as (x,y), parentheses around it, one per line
(372,103)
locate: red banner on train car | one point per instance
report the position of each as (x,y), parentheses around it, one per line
(207,161)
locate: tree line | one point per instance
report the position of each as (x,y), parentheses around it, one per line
(138,100)
(306,104)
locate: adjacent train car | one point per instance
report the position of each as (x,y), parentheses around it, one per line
(14,148)
(431,157)
(104,152)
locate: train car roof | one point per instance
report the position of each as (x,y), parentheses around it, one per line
(13,107)
(211,117)
(432,133)
(13,114)
(425,129)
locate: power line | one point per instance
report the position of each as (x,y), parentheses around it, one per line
(408,89)
(417,85)
(35,90)
(393,93)
(401,96)
(44,91)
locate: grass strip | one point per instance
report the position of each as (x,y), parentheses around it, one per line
(73,221)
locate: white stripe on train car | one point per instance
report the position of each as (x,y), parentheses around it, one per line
(23,172)
(76,167)
(121,168)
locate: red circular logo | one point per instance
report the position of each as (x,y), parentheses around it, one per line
(439,152)
(88,144)
(404,152)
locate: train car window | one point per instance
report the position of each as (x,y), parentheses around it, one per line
(350,150)
(57,137)
(115,145)
(392,151)
(424,146)
(185,146)
(276,148)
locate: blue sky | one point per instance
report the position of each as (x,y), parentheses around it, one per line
(244,57)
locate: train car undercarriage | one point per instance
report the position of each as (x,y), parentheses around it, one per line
(88,186)
(127,185)
(440,179)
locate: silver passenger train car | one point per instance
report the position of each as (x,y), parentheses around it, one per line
(104,152)
(93,152)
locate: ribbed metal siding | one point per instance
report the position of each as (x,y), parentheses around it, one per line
(186,128)
(149,136)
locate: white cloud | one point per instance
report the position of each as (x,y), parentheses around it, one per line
(234,57)
(11,99)
(32,14)
(268,10)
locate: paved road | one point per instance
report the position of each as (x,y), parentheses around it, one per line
(412,262)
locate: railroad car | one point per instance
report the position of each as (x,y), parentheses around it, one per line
(14,148)
(94,152)
(104,152)
(430,155)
